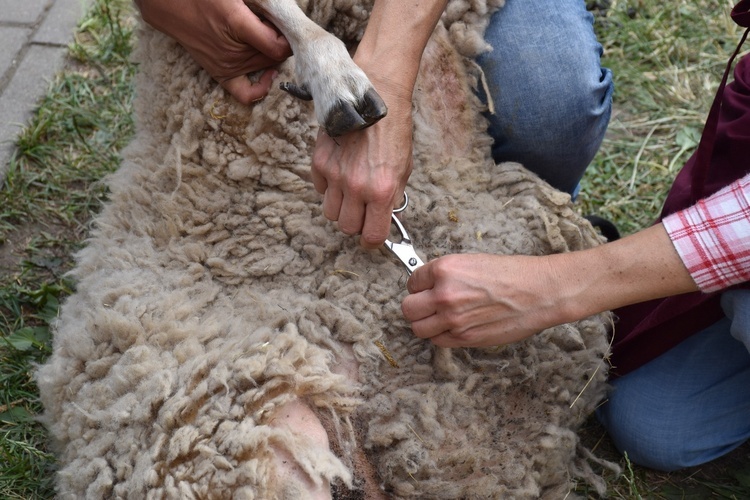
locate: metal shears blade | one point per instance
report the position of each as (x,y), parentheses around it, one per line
(403,249)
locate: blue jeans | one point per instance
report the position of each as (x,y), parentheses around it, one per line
(552,98)
(691,404)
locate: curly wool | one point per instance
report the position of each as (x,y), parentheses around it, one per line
(213,290)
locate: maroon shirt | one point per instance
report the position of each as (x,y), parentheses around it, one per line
(646,330)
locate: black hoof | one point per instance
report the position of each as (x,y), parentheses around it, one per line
(371,107)
(345,118)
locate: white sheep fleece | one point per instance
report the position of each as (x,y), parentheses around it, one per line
(212,290)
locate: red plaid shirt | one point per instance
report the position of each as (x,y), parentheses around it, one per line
(713,237)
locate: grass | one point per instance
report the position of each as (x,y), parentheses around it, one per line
(667,60)
(50,193)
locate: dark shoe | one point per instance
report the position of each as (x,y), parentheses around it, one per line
(605,227)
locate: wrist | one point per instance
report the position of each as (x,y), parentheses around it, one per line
(569,286)
(393,79)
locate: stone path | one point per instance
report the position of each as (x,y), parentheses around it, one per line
(34,36)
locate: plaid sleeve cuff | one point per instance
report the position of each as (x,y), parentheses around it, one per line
(713,237)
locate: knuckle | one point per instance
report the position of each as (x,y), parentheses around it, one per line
(333,175)
(326,169)
(407,309)
(385,191)
(279,53)
(348,224)
(444,298)
(372,240)
(319,158)
(454,324)
(462,333)
(348,229)
(224,69)
(441,266)
(357,185)
(464,338)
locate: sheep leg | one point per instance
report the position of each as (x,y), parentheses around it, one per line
(366,477)
(345,100)
(298,418)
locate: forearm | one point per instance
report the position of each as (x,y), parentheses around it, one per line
(637,268)
(362,175)
(713,238)
(391,48)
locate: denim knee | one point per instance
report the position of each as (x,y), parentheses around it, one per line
(736,305)
(552,98)
(648,442)
(688,406)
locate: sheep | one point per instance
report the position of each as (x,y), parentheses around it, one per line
(226,341)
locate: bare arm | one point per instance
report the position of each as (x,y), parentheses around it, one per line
(224,37)
(362,175)
(483,300)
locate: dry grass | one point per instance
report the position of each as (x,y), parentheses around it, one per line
(668,59)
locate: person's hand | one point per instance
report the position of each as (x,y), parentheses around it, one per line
(362,174)
(225,37)
(480,300)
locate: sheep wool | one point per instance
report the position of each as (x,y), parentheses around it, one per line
(213,292)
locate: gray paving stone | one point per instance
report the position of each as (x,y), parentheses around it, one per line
(30,82)
(12,41)
(60,22)
(22,11)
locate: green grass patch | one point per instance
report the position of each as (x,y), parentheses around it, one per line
(80,125)
(49,196)
(27,463)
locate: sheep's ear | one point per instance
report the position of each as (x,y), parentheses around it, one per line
(297,91)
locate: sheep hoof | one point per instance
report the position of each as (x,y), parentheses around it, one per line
(345,117)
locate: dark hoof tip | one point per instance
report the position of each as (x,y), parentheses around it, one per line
(342,119)
(345,118)
(371,107)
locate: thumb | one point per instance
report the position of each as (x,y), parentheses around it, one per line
(421,279)
(263,37)
(247,92)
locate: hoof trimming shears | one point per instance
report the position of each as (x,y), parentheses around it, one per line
(403,249)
